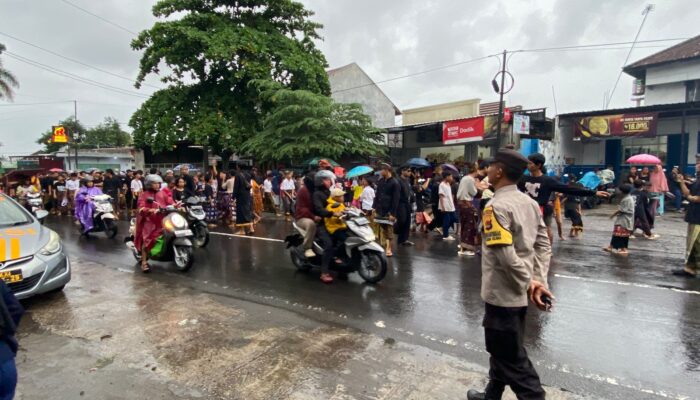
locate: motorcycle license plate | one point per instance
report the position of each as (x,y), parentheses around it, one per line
(361,221)
(11,276)
(184,232)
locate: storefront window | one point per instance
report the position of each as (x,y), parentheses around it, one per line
(656,146)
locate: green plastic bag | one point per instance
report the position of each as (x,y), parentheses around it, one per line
(158,248)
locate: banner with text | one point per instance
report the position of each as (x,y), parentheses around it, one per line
(617,126)
(463,131)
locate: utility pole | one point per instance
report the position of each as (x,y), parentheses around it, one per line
(75,134)
(499,141)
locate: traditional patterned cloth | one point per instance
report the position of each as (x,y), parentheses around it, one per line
(469,226)
(84,208)
(224,206)
(620,238)
(257,197)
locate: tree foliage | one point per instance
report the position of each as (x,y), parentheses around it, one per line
(300,124)
(107,134)
(8,82)
(208,51)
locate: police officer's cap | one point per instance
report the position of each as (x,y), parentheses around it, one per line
(511,158)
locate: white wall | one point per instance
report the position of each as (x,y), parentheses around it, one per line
(674,72)
(373,101)
(665,94)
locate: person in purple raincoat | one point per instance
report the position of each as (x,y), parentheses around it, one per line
(84,207)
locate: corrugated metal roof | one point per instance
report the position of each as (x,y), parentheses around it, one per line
(652,108)
(687,50)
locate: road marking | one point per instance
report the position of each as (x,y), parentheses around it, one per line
(638,285)
(247,237)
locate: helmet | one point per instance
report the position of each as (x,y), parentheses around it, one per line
(86,179)
(152,178)
(323,175)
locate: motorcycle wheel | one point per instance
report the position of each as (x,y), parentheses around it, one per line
(372,266)
(298,262)
(183,257)
(110,228)
(201,236)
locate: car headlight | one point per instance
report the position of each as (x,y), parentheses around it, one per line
(179,221)
(53,246)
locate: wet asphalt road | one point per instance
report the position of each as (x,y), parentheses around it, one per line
(622,328)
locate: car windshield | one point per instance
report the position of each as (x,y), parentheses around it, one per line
(12,214)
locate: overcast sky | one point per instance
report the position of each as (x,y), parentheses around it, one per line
(387,38)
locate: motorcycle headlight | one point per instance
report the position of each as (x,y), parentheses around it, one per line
(179,221)
(53,246)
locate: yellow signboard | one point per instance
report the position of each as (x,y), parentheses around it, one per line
(59,134)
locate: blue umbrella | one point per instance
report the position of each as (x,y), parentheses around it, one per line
(418,163)
(359,171)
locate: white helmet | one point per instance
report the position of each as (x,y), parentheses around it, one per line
(152,178)
(323,175)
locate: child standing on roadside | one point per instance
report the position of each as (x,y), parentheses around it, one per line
(624,223)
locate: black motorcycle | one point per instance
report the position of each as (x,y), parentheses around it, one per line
(195,216)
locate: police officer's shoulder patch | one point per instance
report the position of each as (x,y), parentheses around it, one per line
(494,233)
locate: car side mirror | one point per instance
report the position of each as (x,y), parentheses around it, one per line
(41,215)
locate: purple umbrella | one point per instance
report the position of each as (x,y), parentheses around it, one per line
(450,167)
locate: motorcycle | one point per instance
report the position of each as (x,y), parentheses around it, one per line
(195,215)
(34,202)
(177,240)
(103,218)
(359,253)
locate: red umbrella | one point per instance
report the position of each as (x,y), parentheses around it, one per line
(55,170)
(644,159)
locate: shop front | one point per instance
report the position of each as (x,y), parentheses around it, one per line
(596,139)
(470,139)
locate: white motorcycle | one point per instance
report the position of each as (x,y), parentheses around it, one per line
(34,202)
(103,218)
(359,253)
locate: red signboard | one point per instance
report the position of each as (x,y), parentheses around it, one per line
(507,115)
(463,131)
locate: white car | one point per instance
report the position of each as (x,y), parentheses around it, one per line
(32,258)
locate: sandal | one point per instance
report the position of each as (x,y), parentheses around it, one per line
(145,268)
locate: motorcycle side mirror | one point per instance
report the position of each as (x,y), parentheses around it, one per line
(150,200)
(41,215)
(335,205)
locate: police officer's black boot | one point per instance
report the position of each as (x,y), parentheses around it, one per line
(493,391)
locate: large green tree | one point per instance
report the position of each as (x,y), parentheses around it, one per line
(8,82)
(73,128)
(300,124)
(208,51)
(107,134)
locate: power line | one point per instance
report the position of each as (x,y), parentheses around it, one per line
(34,104)
(646,12)
(416,73)
(601,44)
(99,17)
(75,61)
(74,76)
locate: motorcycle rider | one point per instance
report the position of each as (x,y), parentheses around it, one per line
(323,182)
(84,207)
(148,221)
(304,214)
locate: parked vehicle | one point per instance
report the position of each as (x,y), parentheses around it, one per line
(359,253)
(32,258)
(195,215)
(177,240)
(34,202)
(103,218)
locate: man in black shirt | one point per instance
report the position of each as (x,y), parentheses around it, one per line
(541,187)
(403,213)
(386,205)
(59,194)
(189,181)
(692,217)
(110,186)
